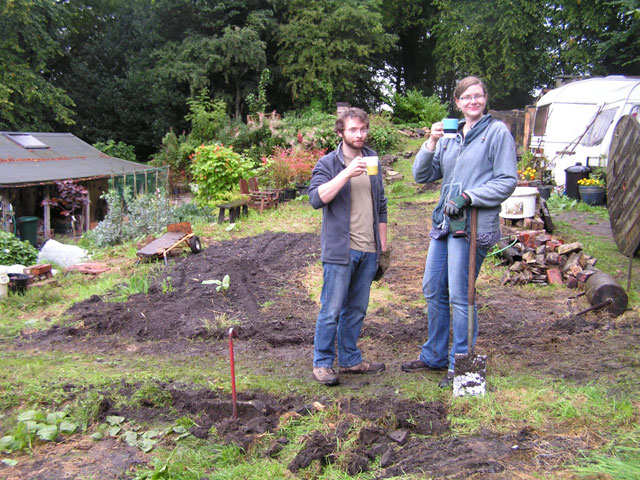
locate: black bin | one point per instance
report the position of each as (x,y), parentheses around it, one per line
(572,175)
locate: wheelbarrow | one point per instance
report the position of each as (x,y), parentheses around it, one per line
(179,235)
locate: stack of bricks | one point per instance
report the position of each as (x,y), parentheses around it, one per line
(541,258)
(38,272)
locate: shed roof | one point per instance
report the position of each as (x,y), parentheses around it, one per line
(64,157)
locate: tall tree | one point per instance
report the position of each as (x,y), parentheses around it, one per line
(411,61)
(597,37)
(329,50)
(29,100)
(503,41)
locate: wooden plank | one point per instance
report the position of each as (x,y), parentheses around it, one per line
(623,185)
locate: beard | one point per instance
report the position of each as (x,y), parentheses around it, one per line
(355,144)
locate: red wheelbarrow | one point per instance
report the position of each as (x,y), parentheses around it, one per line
(178,235)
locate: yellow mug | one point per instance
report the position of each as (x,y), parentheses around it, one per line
(372,165)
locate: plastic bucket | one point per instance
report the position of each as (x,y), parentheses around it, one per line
(592,195)
(18,283)
(521,203)
(4,282)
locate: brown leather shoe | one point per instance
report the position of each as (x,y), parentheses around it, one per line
(364,367)
(326,376)
(417,365)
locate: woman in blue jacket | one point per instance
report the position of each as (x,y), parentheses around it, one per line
(478,168)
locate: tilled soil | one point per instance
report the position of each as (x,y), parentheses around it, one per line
(270,308)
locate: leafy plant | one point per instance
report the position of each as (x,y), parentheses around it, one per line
(70,197)
(415,107)
(216,170)
(258,103)
(383,135)
(207,116)
(311,128)
(37,425)
(117,150)
(130,216)
(221,284)
(167,285)
(290,165)
(13,250)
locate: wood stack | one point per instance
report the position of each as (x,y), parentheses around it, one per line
(544,259)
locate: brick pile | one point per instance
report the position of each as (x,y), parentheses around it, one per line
(543,259)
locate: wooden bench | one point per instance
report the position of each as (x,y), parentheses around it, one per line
(234,209)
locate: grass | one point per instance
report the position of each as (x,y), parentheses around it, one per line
(51,380)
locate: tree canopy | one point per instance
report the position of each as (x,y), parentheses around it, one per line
(127,69)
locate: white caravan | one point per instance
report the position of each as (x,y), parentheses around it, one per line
(575,122)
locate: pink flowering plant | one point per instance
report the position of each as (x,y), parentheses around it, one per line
(287,166)
(216,170)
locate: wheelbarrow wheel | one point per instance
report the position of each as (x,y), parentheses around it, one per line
(195,245)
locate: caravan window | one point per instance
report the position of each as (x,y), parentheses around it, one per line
(540,122)
(598,129)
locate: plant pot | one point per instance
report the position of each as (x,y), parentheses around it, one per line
(288,194)
(592,195)
(545,191)
(18,283)
(302,188)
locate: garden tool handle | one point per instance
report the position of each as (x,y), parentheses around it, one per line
(471,294)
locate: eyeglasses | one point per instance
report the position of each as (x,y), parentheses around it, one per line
(469,98)
(362,131)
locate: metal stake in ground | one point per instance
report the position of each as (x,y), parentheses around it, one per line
(470,371)
(234,400)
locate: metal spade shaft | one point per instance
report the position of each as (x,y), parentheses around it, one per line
(234,400)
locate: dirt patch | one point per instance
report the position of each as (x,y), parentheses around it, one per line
(520,330)
(178,304)
(75,457)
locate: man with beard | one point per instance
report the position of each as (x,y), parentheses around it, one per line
(353,237)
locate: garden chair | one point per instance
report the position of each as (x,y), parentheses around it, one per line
(258,199)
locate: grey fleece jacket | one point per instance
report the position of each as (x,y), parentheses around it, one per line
(336,215)
(483,164)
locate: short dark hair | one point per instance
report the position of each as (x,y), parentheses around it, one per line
(351,112)
(466,83)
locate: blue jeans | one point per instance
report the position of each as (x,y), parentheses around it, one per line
(445,284)
(344,298)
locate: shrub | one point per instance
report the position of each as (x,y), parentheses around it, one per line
(414,107)
(290,165)
(175,153)
(383,135)
(253,143)
(14,251)
(216,170)
(70,197)
(311,128)
(192,212)
(130,217)
(117,150)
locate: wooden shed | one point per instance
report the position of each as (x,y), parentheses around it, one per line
(32,162)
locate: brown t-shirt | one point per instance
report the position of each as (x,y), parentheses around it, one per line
(361,222)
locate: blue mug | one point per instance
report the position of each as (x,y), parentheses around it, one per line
(450,126)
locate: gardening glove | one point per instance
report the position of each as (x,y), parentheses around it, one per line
(383,263)
(458,225)
(454,206)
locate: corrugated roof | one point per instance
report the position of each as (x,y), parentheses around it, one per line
(67,157)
